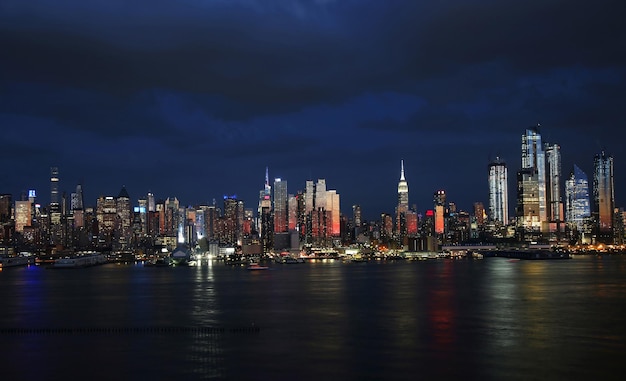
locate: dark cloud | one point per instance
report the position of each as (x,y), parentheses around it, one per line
(216,90)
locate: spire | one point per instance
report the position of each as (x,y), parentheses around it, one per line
(267,176)
(402,170)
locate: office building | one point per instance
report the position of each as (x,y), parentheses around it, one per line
(498,193)
(577,207)
(603,196)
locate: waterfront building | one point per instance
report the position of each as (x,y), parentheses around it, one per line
(603,197)
(531,210)
(498,194)
(577,207)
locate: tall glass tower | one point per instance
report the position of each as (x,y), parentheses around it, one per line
(498,192)
(553,182)
(577,208)
(532,208)
(603,194)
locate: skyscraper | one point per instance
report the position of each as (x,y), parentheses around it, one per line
(531,183)
(498,193)
(264,214)
(403,202)
(54,190)
(440,202)
(333,207)
(603,194)
(553,182)
(577,199)
(124,209)
(280,206)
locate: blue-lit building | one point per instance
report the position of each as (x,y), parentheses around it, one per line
(577,207)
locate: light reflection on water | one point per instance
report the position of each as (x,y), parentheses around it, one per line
(493,319)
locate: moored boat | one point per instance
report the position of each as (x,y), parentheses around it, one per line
(256,266)
(16,261)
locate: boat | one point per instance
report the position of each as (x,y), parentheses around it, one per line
(289,260)
(80,261)
(256,266)
(160,262)
(15,261)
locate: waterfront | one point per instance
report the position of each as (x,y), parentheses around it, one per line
(490,319)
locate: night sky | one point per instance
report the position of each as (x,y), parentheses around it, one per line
(194,98)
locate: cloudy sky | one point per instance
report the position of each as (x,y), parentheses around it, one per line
(194,98)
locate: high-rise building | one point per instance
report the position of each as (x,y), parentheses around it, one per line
(292,214)
(309,196)
(603,194)
(23,215)
(498,193)
(553,182)
(54,190)
(320,194)
(531,183)
(332,206)
(265,222)
(403,203)
(151,202)
(124,210)
(440,202)
(479,213)
(76,199)
(577,208)
(280,206)
(356,215)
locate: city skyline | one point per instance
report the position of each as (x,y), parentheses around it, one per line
(206,94)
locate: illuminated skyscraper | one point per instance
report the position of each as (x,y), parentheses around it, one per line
(264,221)
(54,190)
(280,206)
(498,193)
(440,202)
(332,206)
(603,195)
(151,203)
(124,209)
(320,194)
(309,196)
(531,183)
(292,214)
(553,182)
(403,203)
(23,215)
(577,199)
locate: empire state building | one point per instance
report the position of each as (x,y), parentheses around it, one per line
(403,202)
